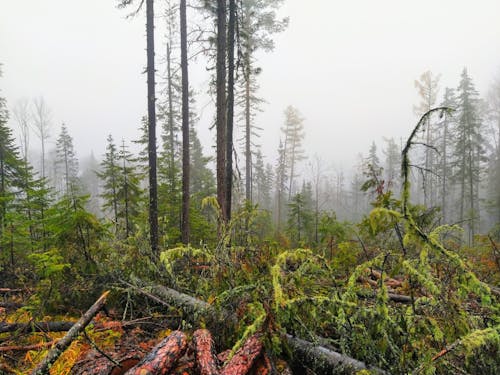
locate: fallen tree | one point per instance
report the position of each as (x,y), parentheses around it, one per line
(315,357)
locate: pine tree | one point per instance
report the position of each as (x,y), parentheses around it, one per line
(468,153)
(67,163)
(443,167)
(110,176)
(293,131)
(12,179)
(257,22)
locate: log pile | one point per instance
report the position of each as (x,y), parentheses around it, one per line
(175,355)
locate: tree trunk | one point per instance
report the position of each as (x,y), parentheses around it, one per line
(248,153)
(163,357)
(153,186)
(206,361)
(185,127)
(221,121)
(230,107)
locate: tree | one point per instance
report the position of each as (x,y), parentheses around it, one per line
(185,127)
(42,119)
(494,162)
(300,216)
(110,176)
(428,87)
(67,163)
(443,168)
(468,153)
(293,131)
(12,172)
(257,22)
(152,168)
(392,166)
(221,109)
(129,191)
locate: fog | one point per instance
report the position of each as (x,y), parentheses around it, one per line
(349,67)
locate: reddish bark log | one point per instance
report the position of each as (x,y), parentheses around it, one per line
(163,357)
(206,360)
(223,356)
(244,358)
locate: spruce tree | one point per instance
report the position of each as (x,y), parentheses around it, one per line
(468,154)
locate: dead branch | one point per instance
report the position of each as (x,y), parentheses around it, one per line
(25,348)
(54,353)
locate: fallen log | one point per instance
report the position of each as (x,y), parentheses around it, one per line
(163,357)
(54,353)
(313,357)
(25,348)
(36,327)
(325,360)
(244,358)
(206,361)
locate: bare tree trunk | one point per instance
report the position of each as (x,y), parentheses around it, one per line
(221,121)
(185,127)
(230,107)
(153,186)
(248,153)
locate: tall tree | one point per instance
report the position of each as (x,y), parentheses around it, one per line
(231,31)
(110,172)
(153,185)
(494,163)
(67,163)
(257,22)
(428,87)
(150,69)
(469,153)
(443,167)
(293,131)
(185,127)
(42,118)
(11,181)
(221,104)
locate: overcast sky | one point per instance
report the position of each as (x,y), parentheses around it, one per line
(348,66)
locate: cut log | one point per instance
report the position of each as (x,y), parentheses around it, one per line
(163,357)
(36,327)
(206,360)
(54,353)
(244,358)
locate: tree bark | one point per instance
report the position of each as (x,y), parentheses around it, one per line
(244,358)
(206,361)
(221,120)
(230,106)
(185,127)
(54,353)
(153,185)
(163,356)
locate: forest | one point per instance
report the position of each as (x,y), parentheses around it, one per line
(176,254)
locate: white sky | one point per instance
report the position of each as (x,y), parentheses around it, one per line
(348,66)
